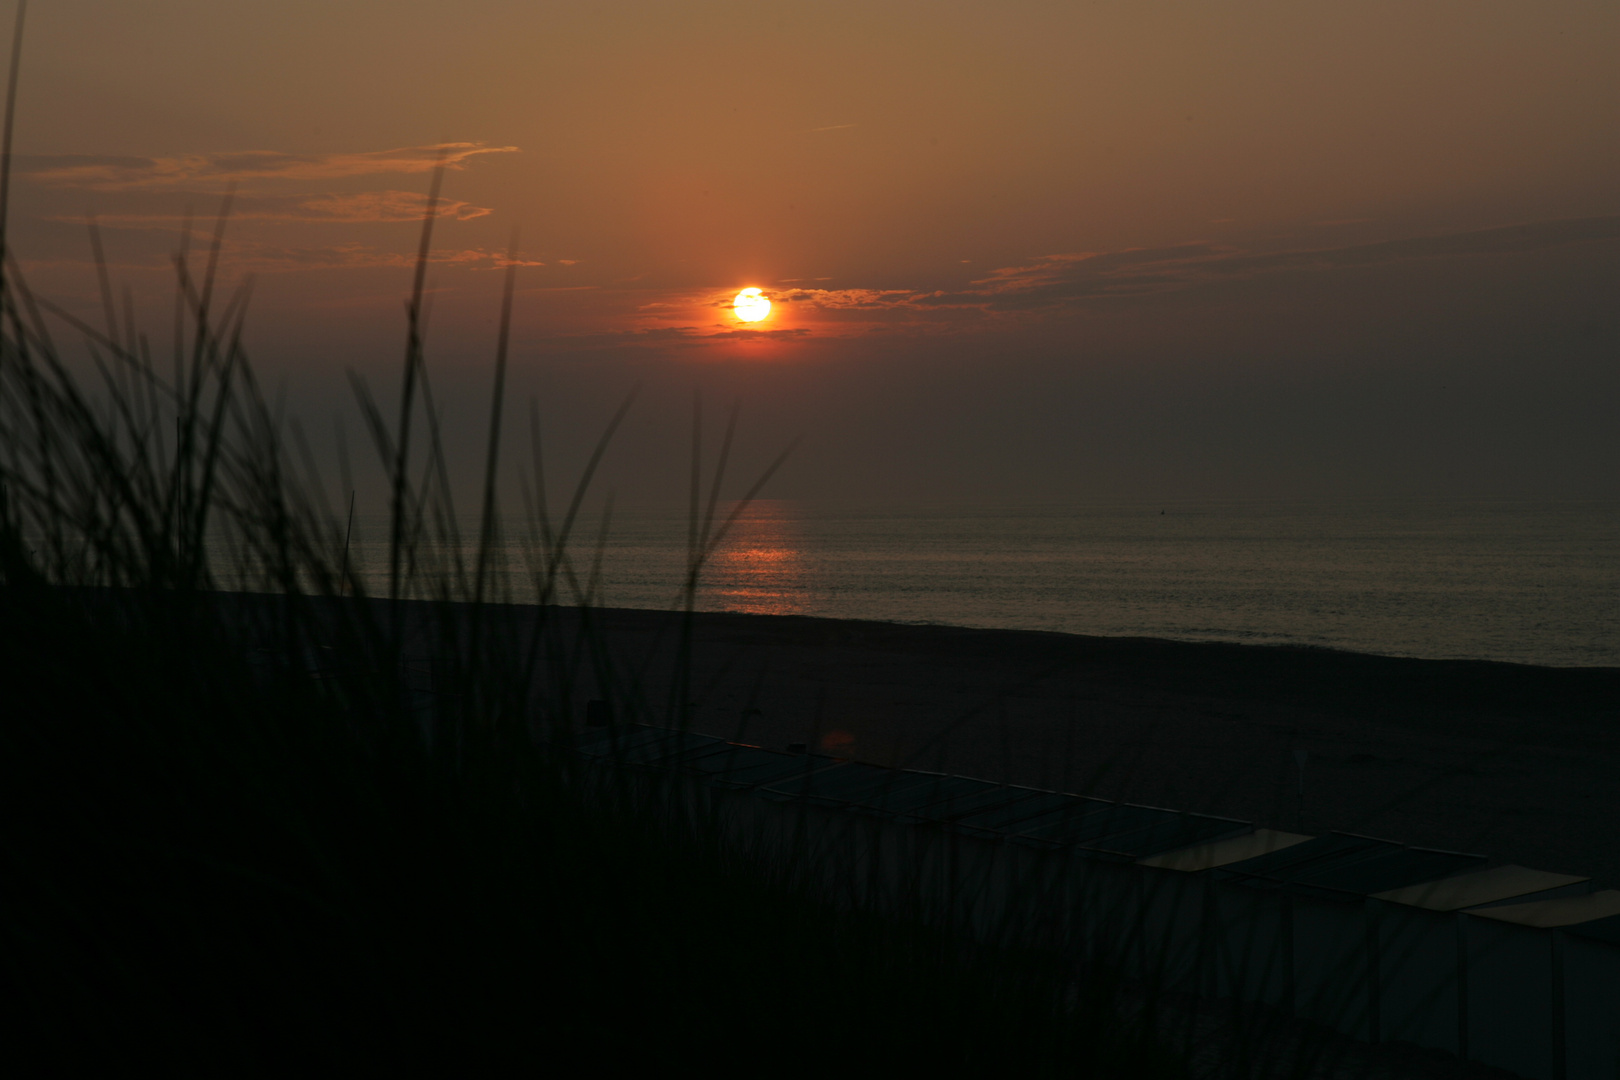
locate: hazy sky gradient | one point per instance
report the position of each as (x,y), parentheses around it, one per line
(1047,250)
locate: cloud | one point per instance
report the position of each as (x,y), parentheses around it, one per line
(1052,285)
(679,337)
(1072,280)
(366,207)
(1049,285)
(825,299)
(215,171)
(386,206)
(795,334)
(1054,281)
(260,258)
(843,299)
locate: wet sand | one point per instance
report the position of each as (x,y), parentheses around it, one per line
(1515,762)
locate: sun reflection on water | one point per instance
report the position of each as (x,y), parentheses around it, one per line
(760,569)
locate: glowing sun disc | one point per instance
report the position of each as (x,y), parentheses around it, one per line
(751,305)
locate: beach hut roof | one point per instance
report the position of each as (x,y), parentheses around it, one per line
(1479,887)
(1287,863)
(998,797)
(938,793)
(1044,805)
(1599,930)
(1384,870)
(1564,911)
(1218,853)
(1343,865)
(731,765)
(829,786)
(1171,831)
(1077,822)
(1087,821)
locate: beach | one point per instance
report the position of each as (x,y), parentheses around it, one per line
(1512,761)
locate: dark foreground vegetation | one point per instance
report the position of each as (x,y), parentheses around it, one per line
(209,865)
(240,836)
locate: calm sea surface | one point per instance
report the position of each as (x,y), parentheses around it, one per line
(1529,582)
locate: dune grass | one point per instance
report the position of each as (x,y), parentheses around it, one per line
(240,833)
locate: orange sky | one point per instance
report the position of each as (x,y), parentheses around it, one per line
(1146,204)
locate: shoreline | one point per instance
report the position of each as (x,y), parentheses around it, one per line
(1304,647)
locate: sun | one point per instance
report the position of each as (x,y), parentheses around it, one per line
(751,305)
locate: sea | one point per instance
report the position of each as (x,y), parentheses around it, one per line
(1522,581)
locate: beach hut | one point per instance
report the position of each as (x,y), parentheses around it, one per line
(1293,928)
(1007,894)
(1175,904)
(897,838)
(1046,890)
(1518,983)
(950,872)
(1422,953)
(1167,831)
(866,852)
(1085,861)
(726,777)
(1592,999)
(1511,967)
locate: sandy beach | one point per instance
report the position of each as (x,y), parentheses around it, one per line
(1515,762)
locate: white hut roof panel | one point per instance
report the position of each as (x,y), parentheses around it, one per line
(1479,887)
(1285,863)
(1564,911)
(1209,855)
(1342,866)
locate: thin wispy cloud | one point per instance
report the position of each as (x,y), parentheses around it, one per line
(239,256)
(1075,278)
(363,208)
(679,337)
(1058,280)
(265,258)
(369,206)
(843,299)
(217,170)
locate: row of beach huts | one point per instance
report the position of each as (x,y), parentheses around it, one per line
(1503,965)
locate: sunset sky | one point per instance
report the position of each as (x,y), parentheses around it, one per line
(1033,250)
